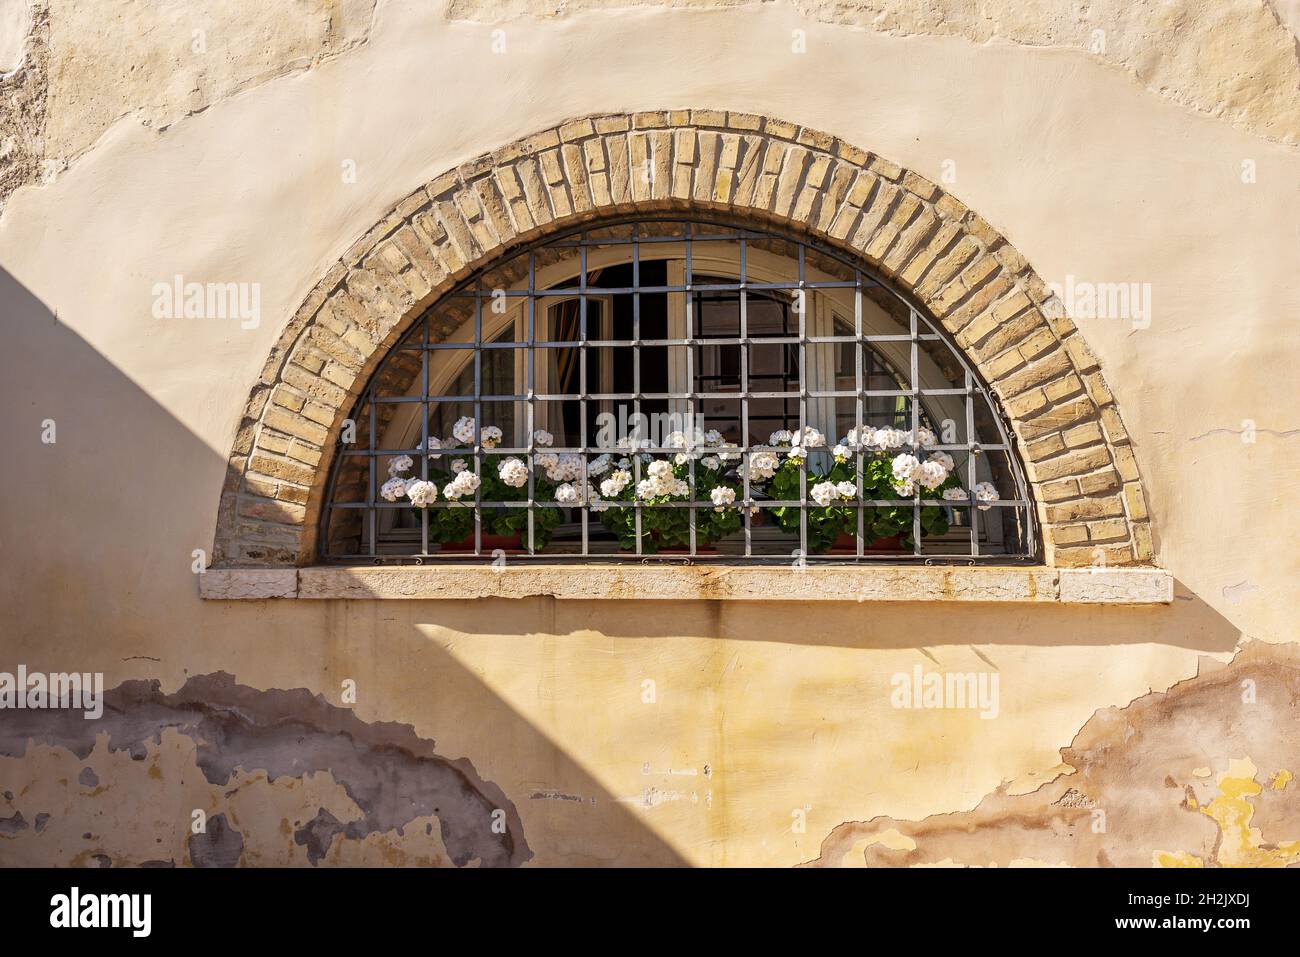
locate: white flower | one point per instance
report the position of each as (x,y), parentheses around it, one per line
(647,488)
(892,438)
(823,493)
(681,458)
(543,438)
(466,483)
(863,437)
(599,465)
(842,453)
(463,430)
(722,497)
(433,443)
(660,470)
(513,472)
(675,440)
(711,462)
(810,438)
(906,489)
(422,493)
(566,494)
(931,474)
(782,437)
(712,437)
(847,489)
(624,463)
(399,464)
(904,467)
(613,486)
(729,456)
(491,437)
(565,468)
(393,489)
(954,495)
(985,492)
(798,453)
(458,465)
(925,437)
(762,466)
(546,460)
(943,458)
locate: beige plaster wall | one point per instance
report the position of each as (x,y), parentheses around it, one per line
(765,716)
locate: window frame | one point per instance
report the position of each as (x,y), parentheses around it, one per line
(820,306)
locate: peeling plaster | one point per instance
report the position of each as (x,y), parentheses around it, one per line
(1138,789)
(264,756)
(90,65)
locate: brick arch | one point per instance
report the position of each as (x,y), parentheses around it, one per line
(1077,455)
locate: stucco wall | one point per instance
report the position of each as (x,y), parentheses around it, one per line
(771,724)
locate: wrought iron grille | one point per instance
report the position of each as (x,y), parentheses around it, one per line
(700,344)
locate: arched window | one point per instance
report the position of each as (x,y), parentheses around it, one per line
(669,388)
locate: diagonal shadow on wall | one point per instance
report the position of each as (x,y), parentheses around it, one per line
(95,575)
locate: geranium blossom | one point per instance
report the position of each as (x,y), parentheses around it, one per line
(513,472)
(931,474)
(393,489)
(823,493)
(422,493)
(463,430)
(904,467)
(762,466)
(466,483)
(985,492)
(613,486)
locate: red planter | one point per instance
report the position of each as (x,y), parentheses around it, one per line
(847,544)
(510,544)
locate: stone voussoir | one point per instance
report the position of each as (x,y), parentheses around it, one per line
(762,169)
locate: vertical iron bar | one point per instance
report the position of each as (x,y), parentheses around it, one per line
(745,456)
(916,445)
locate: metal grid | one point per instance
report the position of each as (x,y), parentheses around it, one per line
(642,243)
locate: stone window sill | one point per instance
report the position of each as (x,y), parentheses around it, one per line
(1082,586)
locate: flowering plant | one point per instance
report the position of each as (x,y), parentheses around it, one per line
(504,478)
(888,474)
(668,480)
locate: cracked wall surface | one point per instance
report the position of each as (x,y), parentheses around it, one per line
(264,760)
(90,65)
(764,715)
(1235,59)
(1201,775)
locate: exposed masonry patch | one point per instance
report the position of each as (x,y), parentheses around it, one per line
(90,65)
(1136,765)
(1077,452)
(1233,59)
(23,97)
(219,845)
(241,735)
